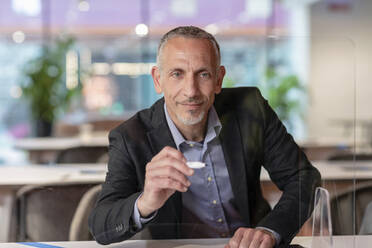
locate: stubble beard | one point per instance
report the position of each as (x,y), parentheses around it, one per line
(191,119)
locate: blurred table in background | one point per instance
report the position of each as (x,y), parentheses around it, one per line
(13,177)
(45,150)
(336,176)
(327,147)
(322,149)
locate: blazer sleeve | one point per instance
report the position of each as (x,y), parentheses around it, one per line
(292,173)
(111,219)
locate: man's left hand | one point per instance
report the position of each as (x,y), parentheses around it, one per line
(251,238)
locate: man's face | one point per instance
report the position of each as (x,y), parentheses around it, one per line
(189,78)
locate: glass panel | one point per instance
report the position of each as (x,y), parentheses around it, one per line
(308,58)
(322,223)
(325,142)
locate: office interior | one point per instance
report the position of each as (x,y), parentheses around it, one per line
(72,70)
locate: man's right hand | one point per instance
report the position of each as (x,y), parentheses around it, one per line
(165,174)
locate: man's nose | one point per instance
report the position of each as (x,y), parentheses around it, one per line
(191,87)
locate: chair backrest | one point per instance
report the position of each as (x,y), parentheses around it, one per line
(46,211)
(79,225)
(81,155)
(366,226)
(350,157)
(348,208)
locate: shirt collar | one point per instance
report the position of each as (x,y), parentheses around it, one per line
(213,128)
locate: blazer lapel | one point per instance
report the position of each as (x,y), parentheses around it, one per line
(160,137)
(231,143)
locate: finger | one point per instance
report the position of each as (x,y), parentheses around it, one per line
(236,239)
(247,238)
(267,237)
(170,161)
(267,243)
(167,183)
(169,172)
(256,240)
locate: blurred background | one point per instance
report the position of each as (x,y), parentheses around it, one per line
(74,62)
(71,70)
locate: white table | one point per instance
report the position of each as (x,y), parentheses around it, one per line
(338,170)
(14,177)
(339,242)
(44,149)
(60,143)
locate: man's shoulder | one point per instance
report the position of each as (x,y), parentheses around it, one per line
(237,98)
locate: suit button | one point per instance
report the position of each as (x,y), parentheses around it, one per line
(119,228)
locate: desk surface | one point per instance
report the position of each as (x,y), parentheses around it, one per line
(101,139)
(338,170)
(14,176)
(95,173)
(339,242)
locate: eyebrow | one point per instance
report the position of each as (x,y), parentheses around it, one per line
(196,72)
(201,70)
(175,69)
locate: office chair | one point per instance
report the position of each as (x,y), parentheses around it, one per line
(366,227)
(45,211)
(79,225)
(350,157)
(81,155)
(348,208)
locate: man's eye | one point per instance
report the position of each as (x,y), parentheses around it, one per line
(204,75)
(176,74)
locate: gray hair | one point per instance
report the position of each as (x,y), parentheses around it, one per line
(188,32)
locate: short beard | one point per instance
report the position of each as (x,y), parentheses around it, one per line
(191,120)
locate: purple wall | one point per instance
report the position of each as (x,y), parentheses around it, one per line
(127,13)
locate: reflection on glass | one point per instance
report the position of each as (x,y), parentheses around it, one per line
(322,224)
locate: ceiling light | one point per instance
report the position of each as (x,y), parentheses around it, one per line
(18,37)
(142,29)
(84,6)
(212,29)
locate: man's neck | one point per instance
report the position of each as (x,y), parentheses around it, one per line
(192,132)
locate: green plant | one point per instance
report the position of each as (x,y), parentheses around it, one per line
(228,82)
(44,88)
(278,90)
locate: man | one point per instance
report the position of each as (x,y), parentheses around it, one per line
(233,131)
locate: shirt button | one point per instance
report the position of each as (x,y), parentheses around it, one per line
(219,220)
(209,179)
(223,235)
(214,202)
(191,145)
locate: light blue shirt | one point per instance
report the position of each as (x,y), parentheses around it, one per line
(208,202)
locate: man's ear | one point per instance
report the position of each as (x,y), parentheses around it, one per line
(220,75)
(155,73)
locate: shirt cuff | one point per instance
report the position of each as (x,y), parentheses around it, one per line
(137,219)
(276,235)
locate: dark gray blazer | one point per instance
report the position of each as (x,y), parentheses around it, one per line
(251,136)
